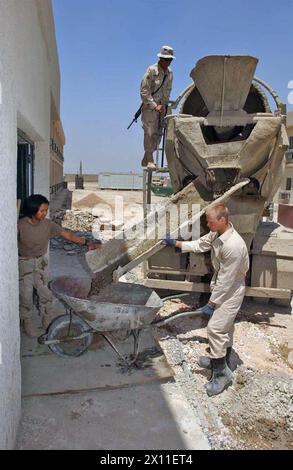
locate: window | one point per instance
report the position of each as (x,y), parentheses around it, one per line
(288,184)
(291,142)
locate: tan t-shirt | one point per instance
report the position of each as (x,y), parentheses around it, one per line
(33,239)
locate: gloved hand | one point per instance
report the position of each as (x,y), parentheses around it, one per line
(207,309)
(169,241)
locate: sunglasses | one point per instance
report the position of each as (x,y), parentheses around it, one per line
(166,60)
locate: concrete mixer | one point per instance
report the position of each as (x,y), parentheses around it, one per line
(225,144)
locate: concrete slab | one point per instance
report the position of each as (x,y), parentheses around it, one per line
(43,372)
(151,416)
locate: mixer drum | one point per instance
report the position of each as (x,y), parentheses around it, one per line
(225,129)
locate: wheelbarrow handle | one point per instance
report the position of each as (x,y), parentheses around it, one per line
(193,313)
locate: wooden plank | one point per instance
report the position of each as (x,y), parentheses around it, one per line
(268,292)
(174,272)
(271,254)
(186,286)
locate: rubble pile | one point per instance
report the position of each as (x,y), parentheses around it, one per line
(256,412)
(81,221)
(59,243)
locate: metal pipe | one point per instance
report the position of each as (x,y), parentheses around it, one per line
(271,91)
(175,103)
(175,296)
(149,189)
(163,147)
(144,190)
(124,359)
(43,338)
(170,116)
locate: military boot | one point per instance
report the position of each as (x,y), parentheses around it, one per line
(147,158)
(29,328)
(222,377)
(152,165)
(205,361)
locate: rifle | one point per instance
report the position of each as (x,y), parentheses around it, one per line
(138,112)
(136,116)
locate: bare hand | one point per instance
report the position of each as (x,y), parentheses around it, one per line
(94,246)
(159,108)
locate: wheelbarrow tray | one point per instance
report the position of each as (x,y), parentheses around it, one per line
(119,306)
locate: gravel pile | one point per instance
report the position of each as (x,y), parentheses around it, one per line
(78,221)
(256,412)
(81,223)
(59,243)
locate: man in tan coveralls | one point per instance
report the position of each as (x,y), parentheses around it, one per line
(230,262)
(155,91)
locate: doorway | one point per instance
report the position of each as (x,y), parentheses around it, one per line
(25,169)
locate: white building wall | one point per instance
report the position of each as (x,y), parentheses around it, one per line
(29,73)
(9,318)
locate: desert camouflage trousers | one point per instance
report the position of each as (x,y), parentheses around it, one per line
(33,274)
(152,124)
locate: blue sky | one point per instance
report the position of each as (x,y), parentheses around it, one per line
(105,46)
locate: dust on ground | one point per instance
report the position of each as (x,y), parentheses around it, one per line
(256,412)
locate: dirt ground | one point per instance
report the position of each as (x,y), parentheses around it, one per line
(256,412)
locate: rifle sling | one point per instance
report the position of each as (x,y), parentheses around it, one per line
(164,78)
(140,108)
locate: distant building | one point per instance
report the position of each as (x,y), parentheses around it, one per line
(57,142)
(31,159)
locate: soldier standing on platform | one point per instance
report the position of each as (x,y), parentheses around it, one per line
(155,92)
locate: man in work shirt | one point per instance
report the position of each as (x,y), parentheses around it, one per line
(230,262)
(155,91)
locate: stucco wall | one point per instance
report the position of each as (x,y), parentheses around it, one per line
(9,322)
(29,73)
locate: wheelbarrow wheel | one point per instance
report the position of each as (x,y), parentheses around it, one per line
(64,328)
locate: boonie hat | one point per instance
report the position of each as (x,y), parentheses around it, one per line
(166,52)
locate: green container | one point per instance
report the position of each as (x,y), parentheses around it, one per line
(162,190)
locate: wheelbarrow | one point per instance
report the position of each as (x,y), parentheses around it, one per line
(120,306)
